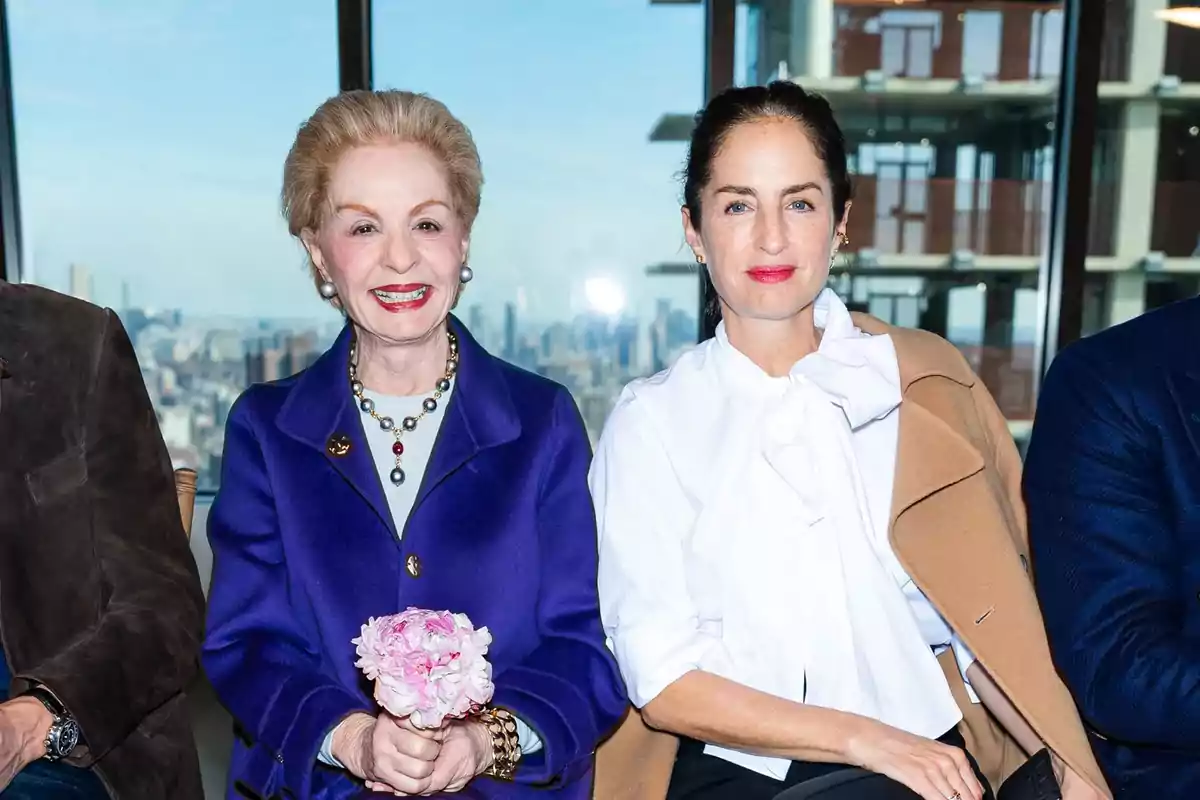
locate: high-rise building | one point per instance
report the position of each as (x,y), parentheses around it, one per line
(949,114)
(510,332)
(81,282)
(626,335)
(477,324)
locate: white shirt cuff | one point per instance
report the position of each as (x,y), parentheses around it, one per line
(325,755)
(528,739)
(653,656)
(965,658)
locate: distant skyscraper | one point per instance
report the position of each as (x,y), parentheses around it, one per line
(81,282)
(475,319)
(510,332)
(626,335)
(125,304)
(476,324)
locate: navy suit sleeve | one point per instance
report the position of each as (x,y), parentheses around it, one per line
(261,667)
(568,689)
(1105,558)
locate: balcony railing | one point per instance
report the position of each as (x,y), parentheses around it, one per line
(938,216)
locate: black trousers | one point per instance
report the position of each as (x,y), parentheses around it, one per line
(703,777)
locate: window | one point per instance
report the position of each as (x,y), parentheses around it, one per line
(150,145)
(150,142)
(949,113)
(1148,155)
(581,269)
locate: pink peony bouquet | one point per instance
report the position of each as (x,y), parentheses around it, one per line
(428,666)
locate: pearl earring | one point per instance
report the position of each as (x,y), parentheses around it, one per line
(466,274)
(327,290)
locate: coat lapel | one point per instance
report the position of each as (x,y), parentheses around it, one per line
(321,408)
(480,415)
(930,454)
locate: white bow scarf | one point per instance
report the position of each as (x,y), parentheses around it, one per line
(802,583)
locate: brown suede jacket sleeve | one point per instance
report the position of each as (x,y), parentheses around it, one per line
(144,647)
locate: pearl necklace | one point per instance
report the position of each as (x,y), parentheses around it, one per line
(408,424)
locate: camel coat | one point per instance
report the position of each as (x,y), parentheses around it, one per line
(958,527)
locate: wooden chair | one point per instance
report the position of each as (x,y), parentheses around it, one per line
(185,491)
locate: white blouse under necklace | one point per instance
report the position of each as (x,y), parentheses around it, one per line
(743,524)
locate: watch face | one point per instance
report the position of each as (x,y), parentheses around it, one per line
(67,738)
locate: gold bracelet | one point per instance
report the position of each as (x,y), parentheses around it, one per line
(506,749)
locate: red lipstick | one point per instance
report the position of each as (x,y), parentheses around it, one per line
(773,273)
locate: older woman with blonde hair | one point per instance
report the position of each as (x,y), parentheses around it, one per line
(406,467)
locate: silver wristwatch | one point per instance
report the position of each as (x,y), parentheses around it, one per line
(63,735)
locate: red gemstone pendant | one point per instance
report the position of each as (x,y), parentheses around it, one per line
(398,448)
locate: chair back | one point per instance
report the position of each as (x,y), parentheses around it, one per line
(185,491)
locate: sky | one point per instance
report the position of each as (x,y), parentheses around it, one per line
(151,139)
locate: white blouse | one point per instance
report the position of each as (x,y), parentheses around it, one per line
(743,523)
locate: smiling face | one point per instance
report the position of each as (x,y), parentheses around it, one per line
(769,228)
(391,241)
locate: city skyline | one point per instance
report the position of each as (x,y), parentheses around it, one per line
(194,370)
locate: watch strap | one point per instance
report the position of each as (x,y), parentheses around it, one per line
(48,699)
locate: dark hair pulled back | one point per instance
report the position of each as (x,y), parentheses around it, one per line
(733,107)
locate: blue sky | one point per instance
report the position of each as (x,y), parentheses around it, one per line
(151,139)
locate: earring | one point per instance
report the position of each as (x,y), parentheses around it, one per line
(465,274)
(699,259)
(327,290)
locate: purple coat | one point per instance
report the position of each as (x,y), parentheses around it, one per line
(305,551)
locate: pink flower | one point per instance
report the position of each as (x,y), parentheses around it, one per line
(428,666)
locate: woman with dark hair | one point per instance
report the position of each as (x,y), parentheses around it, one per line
(812,543)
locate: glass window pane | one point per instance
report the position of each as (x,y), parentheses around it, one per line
(150,145)
(1147,170)
(581,270)
(952,184)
